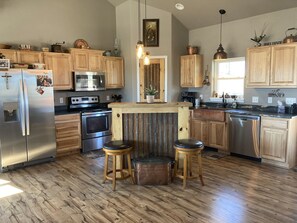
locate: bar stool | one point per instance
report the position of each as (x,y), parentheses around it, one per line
(114,149)
(189,148)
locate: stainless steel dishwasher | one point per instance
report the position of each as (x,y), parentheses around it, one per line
(244,134)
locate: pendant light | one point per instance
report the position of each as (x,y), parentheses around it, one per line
(146,59)
(139,46)
(220,54)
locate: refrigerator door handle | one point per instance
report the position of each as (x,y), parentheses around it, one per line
(22,109)
(27,108)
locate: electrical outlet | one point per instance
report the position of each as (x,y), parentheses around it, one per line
(107,97)
(255,99)
(269,101)
(290,101)
(61,100)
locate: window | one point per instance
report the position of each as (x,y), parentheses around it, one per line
(229,76)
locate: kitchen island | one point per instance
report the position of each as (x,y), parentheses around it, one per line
(152,128)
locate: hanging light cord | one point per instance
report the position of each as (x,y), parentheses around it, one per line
(221,29)
(139,20)
(145,9)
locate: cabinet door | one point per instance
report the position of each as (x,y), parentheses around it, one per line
(114,75)
(284,65)
(199,130)
(80,59)
(96,61)
(217,135)
(10,54)
(273,144)
(68,134)
(61,65)
(29,57)
(191,71)
(258,67)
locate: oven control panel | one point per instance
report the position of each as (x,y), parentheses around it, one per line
(84,100)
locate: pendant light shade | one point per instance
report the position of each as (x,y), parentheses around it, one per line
(146,59)
(220,54)
(139,46)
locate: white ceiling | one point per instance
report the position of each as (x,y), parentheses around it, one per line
(201,13)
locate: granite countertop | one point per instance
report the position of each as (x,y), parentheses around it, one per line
(261,113)
(63,110)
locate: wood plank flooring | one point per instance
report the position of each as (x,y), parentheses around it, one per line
(71,190)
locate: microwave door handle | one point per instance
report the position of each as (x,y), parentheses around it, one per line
(22,109)
(27,107)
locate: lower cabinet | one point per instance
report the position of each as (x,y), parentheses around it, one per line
(278,141)
(211,129)
(68,134)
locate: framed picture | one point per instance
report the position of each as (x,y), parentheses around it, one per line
(151,32)
(4,63)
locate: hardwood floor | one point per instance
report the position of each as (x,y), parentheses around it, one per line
(71,190)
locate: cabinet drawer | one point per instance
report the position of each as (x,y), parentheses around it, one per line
(274,123)
(67,118)
(69,143)
(209,114)
(67,129)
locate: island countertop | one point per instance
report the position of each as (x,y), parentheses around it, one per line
(152,128)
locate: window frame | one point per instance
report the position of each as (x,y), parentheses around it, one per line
(215,75)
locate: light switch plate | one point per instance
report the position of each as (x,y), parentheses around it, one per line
(107,97)
(61,100)
(269,101)
(255,99)
(290,101)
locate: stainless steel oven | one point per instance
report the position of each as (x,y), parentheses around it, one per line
(95,121)
(96,129)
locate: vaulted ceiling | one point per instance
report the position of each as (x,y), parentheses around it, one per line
(201,13)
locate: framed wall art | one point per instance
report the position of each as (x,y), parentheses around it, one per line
(151,32)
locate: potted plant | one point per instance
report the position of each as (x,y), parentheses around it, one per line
(150,94)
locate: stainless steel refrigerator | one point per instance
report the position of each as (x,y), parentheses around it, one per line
(27,125)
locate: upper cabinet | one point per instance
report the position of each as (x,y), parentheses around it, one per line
(29,56)
(87,60)
(191,70)
(272,66)
(10,54)
(61,65)
(114,72)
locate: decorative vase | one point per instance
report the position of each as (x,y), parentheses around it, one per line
(150,98)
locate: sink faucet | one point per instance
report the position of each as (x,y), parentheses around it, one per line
(224,100)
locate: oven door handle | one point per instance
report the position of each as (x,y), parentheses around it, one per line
(89,114)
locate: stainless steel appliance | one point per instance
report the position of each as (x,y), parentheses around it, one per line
(244,134)
(27,125)
(89,81)
(95,121)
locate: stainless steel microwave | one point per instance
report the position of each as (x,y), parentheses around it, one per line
(89,81)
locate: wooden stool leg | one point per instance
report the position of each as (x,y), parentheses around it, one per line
(114,172)
(129,167)
(121,165)
(105,167)
(200,167)
(185,170)
(176,162)
(190,165)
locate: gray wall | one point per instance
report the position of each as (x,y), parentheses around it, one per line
(172,36)
(236,39)
(44,22)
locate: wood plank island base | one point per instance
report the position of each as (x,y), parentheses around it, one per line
(152,128)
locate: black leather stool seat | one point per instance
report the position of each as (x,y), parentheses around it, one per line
(188,143)
(117,145)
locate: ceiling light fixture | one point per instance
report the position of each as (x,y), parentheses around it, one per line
(139,46)
(179,6)
(220,54)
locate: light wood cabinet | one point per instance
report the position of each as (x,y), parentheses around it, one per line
(68,134)
(209,126)
(87,60)
(114,72)
(29,56)
(278,141)
(61,65)
(191,71)
(272,66)
(10,54)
